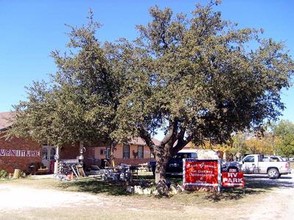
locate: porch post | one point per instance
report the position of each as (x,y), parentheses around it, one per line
(82,150)
(56,160)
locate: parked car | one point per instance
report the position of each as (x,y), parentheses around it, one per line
(230,166)
(273,166)
(175,164)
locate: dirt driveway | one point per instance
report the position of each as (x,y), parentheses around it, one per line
(30,202)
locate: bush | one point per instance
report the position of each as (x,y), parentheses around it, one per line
(3,174)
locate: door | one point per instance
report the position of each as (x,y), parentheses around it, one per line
(249,164)
(48,157)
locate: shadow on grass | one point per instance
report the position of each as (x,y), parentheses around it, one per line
(253,186)
(96,186)
(234,193)
(266,183)
(226,195)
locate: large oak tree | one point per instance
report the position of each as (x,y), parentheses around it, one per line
(194,77)
(200,78)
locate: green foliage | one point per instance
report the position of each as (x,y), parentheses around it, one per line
(284,130)
(3,174)
(196,79)
(79,102)
(287,147)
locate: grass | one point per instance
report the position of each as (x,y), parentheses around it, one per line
(201,197)
(96,186)
(188,204)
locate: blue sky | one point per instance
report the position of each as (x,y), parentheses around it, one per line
(30,30)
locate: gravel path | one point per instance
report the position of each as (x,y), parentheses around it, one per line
(26,202)
(278,205)
(17,197)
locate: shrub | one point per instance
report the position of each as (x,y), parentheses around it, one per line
(3,174)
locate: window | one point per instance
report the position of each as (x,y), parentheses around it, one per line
(52,153)
(249,159)
(126,151)
(107,152)
(140,152)
(274,159)
(265,159)
(185,155)
(44,154)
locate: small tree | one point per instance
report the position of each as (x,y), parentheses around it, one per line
(264,145)
(284,131)
(78,105)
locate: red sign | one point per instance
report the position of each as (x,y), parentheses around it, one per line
(233,179)
(201,172)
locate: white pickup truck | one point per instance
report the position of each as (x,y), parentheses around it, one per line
(273,166)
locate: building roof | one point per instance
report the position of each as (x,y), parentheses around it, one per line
(6,119)
(140,141)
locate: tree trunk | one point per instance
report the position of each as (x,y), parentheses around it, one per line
(162,158)
(163,154)
(165,151)
(160,171)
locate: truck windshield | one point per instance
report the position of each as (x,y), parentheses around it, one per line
(185,155)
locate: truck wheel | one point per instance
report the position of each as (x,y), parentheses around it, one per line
(273,173)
